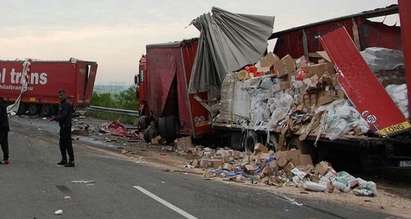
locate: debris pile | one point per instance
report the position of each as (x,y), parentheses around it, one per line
(283,168)
(81,128)
(116,128)
(111,131)
(399,95)
(297,97)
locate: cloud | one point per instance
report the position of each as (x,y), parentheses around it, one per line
(115,32)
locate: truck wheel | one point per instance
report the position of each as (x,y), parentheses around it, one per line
(33,109)
(251,139)
(150,133)
(22,109)
(54,109)
(168,127)
(142,123)
(45,110)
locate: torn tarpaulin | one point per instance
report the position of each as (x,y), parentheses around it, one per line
(227,43)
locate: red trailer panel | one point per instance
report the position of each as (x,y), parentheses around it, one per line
(46,78)
(299,41)
(361,86)
(405,16)
(166,86)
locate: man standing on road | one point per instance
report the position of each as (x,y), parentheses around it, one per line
(64,119)
(4,131)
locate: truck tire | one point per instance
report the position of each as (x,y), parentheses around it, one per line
(168,127)
(251,139)
(45,110)
(150,133)
(142,122)
(33,109)
(22,109)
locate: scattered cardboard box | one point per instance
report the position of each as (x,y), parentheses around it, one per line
(318,69)
(260,148)
(243,75)
(268,60)
(281,158)
(213,163)
(278,67)
(289,64)
(293,156)
(184,144)
(322,168)
(326,96)
(250,169)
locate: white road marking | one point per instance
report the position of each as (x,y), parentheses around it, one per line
(165,203)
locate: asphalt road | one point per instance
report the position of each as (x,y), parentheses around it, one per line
(33,186)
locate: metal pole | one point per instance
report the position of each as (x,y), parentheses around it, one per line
(405,19)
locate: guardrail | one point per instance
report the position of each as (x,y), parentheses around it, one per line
(113,110)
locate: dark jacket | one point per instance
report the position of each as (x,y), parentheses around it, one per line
(65,114)
(4,119)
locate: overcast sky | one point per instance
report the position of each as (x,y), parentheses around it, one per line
(114,32)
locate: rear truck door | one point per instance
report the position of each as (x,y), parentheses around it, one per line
(90,77)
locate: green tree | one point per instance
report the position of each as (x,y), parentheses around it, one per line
(104,100)
(127,99)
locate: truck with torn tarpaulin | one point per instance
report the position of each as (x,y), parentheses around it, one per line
(163,89)
(300,100)
(44,80)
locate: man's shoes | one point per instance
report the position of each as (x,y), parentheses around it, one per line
(69,164)
(62,163)
(5,162)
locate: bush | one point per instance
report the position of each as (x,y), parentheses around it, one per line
(126,99)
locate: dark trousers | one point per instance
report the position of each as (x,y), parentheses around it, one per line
(4,141)
(66,146)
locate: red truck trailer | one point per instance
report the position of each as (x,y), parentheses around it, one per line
(45,79)
(167,70)
(164,73)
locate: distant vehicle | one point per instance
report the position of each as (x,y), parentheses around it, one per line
(45,79)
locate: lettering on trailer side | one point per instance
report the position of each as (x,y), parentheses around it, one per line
(13,80)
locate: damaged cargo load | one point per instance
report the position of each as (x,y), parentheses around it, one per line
(287,95)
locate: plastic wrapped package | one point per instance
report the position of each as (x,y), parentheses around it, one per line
(365,188)
(266,83)
(341,118)
(398,94)
(315,187)
(260,112)
(379,59)
(241,101)
(280,106)
(227,94)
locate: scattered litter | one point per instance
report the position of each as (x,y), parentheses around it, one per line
(315,187)
(284,168)
(379,59)
(292,201)
(58,212)
(399,95)
(83,181)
